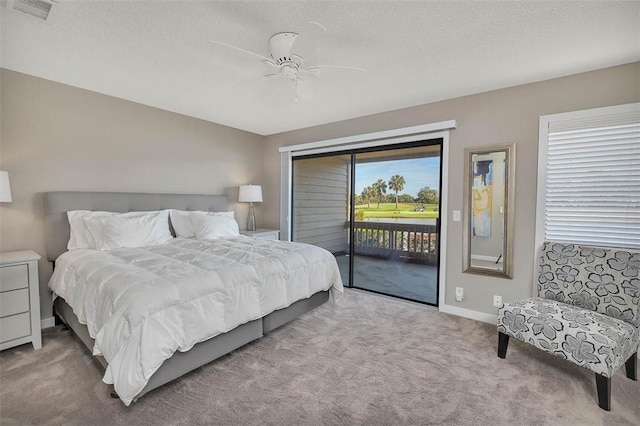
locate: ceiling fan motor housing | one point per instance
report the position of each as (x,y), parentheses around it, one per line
(280,48)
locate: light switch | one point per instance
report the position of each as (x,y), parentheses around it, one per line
(456,215)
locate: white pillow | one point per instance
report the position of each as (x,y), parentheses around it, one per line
(79,236)
(129,230)
(213,226)
(182,224)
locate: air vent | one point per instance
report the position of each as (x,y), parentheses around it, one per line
(36,8)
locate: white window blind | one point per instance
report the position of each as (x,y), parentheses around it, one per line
(592,177)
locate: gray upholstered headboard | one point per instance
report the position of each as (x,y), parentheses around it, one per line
(56,205)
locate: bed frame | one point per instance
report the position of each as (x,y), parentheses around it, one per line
(57,237)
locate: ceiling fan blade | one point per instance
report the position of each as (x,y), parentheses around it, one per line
(264,58)
(319,25)
(271,76)
(314,72)
(270,62)
(317,67)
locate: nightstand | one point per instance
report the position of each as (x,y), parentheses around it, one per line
(263,234)
(19,299)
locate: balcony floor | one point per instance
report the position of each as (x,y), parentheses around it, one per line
(396,278)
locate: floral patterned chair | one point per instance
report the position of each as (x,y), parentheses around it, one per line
(587,312)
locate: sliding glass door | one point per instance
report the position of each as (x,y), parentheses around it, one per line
(377,211)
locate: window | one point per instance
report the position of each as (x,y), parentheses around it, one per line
(589,177)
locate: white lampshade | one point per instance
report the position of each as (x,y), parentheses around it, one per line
(250,194)
(5,188)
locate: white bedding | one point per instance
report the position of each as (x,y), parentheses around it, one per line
(142,304)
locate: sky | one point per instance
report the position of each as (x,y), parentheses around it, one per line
(417,173)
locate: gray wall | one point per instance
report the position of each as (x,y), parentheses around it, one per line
(55,137)
(492,118)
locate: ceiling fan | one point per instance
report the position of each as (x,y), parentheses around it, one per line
(288,64)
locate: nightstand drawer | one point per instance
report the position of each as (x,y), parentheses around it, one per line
(14,277)
(263,234)
(15,326)
(14,302)
(19,299)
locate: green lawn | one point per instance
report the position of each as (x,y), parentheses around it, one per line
(404,210)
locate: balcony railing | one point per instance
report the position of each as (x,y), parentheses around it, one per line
(409,242)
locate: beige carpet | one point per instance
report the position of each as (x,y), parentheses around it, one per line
(365,360)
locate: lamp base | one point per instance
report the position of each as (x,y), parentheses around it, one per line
(251,219)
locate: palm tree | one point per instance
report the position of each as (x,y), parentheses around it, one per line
(379,189)
(367,195)
(396,183)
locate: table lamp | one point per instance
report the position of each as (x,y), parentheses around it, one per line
(250,194)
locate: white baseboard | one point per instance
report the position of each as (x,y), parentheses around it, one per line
(468,313)
(48,322)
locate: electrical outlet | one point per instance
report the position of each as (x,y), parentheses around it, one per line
(497,301)
(459,294)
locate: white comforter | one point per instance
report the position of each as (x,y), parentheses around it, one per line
(143,304)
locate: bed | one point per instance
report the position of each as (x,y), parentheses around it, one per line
(261,286)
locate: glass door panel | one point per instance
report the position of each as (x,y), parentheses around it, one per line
(396,222)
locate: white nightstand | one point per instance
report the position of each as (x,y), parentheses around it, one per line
(19,299)
(263,234)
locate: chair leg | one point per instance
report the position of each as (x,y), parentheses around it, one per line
(503,342)
(604,391)
(632,367)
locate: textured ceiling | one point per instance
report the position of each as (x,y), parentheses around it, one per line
(159,53)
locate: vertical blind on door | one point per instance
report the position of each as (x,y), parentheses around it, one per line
(593,180)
